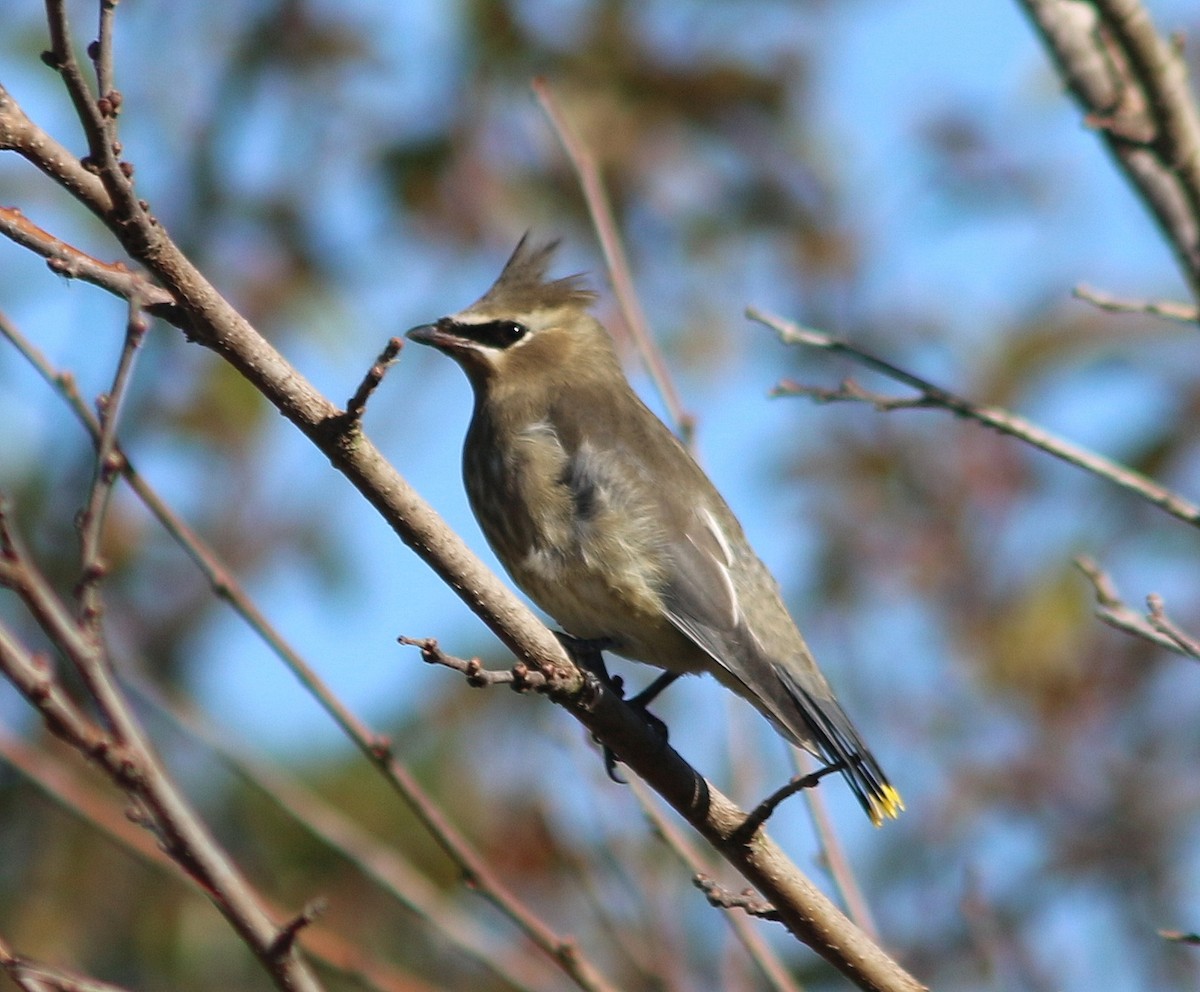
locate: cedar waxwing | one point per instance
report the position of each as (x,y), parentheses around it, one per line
(602,517)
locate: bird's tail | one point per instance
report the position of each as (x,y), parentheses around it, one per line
(838,743)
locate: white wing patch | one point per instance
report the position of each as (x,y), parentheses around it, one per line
(720,558)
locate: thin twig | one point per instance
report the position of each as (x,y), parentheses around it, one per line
(751,939)
(849,391)
(1157,617)
(71,263)
(381,863)
(833,852)
(127,756)
(762,812)
(285,940)
(99,128)
(601,213)
(989,416)
(102,814)
(1155,626)
(520,677)
(101,50)
(30,674)
(375,746)
(108,467)
(357,404)
(1184,313)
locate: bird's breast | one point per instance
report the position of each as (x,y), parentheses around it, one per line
(579,532)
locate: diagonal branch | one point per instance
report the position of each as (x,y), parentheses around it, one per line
(33,976)
(374,746)
(211,321)
(125,754)
(600,209)
(69,261)
(1132,87)
(989,416)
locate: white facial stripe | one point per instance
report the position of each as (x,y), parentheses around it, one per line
(468,319)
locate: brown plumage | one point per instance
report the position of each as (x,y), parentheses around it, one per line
(602,517)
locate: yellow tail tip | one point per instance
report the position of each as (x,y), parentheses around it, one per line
(887,804)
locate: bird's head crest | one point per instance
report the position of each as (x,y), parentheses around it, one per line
(522,286)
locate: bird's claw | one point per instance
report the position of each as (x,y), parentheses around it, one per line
(588,653)
(639,703)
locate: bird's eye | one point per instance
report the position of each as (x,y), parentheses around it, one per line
(499,334)
(510,332)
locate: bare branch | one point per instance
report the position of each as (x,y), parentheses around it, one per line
(850,391)
(108,467)
(31,675)
(387,358)
(211,321)
(519,677)
(989,416)
(762,812)
(32,976)
(72,263)
(1156,616)
(98,121)
(1132,87)
(1155,626)
(601,213)
(751,939)
(123,751)
(747,899)
(101,53)
(1168,309)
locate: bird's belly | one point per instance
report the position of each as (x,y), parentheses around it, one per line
(610,604)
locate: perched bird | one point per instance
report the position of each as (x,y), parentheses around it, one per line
(602,517)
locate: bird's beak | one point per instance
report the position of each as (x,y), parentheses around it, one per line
(438,335)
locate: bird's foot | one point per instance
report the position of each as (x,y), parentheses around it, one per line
(639,703)
(588,653)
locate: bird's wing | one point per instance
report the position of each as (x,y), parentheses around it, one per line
(701,601)
(701,598)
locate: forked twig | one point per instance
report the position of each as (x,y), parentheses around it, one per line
(760,952)
(1155,626)
(989,416)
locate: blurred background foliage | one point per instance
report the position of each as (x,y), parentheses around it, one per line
(904,172)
